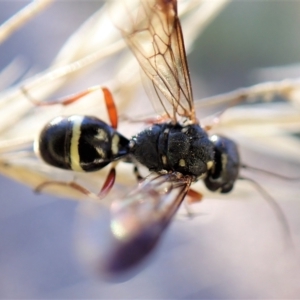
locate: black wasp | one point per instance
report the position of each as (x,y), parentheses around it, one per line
(178,152)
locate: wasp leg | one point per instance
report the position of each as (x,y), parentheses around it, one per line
(108,184)
(108,98)
(137,173)
(193,196)
(71,184)
(215,121)
(111,108)
(217,117)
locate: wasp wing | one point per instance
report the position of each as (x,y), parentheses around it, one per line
(139,220)
(153,32)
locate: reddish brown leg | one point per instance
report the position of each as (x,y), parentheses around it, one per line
(193,196)
(108,184)
(111,108)
(109,101)
(217,118)
(71,184)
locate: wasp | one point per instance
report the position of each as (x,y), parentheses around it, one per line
(177,151)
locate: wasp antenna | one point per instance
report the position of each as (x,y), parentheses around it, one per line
(246,167)
(276,208)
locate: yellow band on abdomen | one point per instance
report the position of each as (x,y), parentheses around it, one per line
(74,149)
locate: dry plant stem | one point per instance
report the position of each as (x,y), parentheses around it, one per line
(20,18)
(67,70)
(8,147)
(264,90)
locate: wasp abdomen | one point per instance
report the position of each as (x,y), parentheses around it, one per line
(184,149)
(80,143)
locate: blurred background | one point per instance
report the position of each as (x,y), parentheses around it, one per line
(235,247)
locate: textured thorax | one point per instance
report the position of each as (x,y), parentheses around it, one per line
(185,149)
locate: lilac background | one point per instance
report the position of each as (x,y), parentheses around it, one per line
(229,251)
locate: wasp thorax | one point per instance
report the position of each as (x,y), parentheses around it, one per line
(185,149)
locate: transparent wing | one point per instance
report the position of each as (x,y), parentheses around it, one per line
(139,220)
(153,32)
